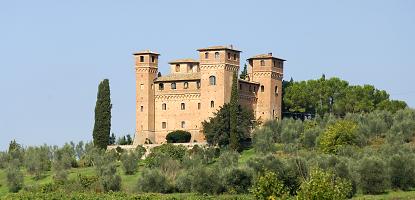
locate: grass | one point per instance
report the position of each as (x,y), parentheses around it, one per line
(395,195)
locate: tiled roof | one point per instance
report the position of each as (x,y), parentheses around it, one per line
(269,55)
(179,77)
(185,60)
(218,48)
(145,52)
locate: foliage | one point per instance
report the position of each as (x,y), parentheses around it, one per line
(237,180)
(37,160)
(228,159)
(106,170)
(160,153)
(324,185)
(342,133)
(244,73)
(16,151)
(234,137)
(153,181)
(217,129)
(178,136)
(373,176)
(125,140)
(102,126)
(262,140)
(402,171)
(14,176)
(130,159)
(269,186)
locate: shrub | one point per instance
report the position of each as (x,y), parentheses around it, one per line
(4,159)
(269,186)
(105,164)
(402,171)
(14,176)
(259,165)
(237,181)
(262,140)
(206,180)
(130,161)
(153,181)
(228,159)
(373,176)
(291,130)
(178,136)
(159,153)
(37,160)
(60,174)
(342,133)
(323,185)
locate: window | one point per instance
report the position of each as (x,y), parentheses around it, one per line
(182,106)
(234,56)
(152,86)
(262,63)
(262,88)
(163,106)
(163,125)
(191,67)
(186,85)
(198,106)
(198,84)
(183,124)
(274,63)
(240,86)
(142,108)
(178,68)
(141,58)
(153,59)
(250,88)
(206,55)
(212,104)
(142,86)
(229,56)
(173,86)
(161,86)
(212,80)
(216,55)
(276,90)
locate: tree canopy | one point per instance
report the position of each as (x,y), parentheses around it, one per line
(102,126)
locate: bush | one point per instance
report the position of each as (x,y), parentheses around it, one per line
(37,160)
(402,171)
(342,133)
(178,136)
(237,181)
(130,160)
(323,185)
(14,176)
(105,165)
(153,181)
(262,140)
(160,153)
(228,159)
(206,180)
(4,159)
(269,186)
(373,176)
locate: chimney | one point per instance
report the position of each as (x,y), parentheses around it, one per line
(231,46)
(270,54)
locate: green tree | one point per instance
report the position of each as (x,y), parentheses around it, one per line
(373,176)
(102,126)
(402,171)
(153,181)
(178,136)
(269,186)
(37,161)
(130,159)
(112,139)
(342,133)
(325,186)
(106,169)
(244,73)
(14,176)
(234,139)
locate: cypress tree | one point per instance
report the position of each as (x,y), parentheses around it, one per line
(244,73)
(102,126)
(233,124)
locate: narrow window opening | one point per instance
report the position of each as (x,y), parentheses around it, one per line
(178,68)
(212,80)
(186,85)
(141,58)
(276,90)
(262,88)
(163,125)
(142,108)
(173,86)
(153,59)
(183,124)
(198,106)
(262,63)
(161,86)
(212,104)
(206,55)
(182,106)
(164,106)
(216,55)
(198,84)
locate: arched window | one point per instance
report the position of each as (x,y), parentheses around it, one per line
(173,86)
(163,106)
(262,63)
(198,106)
(216,55)
(163,125)
(153,59)
(142,108)
(183,106)
(186,85)
(141,58)
(178,68)
(229,56)
(276,90)
(161,86)
(212,80)
(198,84)
(183,124)
(262,88)
(206,55)
(212,104)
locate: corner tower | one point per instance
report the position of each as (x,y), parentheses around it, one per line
(268,71)
(217,65)
(146,67)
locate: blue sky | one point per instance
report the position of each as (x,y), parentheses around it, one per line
(53,54)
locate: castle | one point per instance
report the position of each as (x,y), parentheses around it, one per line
(195,89)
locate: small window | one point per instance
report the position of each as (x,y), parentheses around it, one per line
(229,56)
(212,104)
(178,68)
(198,106)
(274,63)
(262,63)
(141,58)
(173,86)
(186,85)
(276,90)
(234,56)
(216,55)
(163,125)
(198,84)
(142,108)
(206,55)
(191,67)
(262,88)
(153,59)
(161,86)
(152,86)
(182,106)
(183,124)
(240,86)
(142,86)
(163,106)
(212,80)
(250,88)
